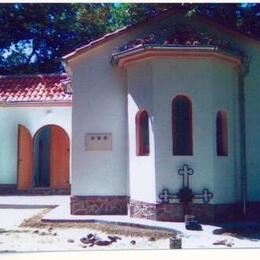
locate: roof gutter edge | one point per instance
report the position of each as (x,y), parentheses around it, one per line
(202,48)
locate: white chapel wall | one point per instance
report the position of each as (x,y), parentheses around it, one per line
(191,78)
(101,107)
(141,168)
(33,118)
(153,85)
(210,85)
(227,168)
(252,105)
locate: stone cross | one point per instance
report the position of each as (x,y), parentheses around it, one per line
(185,194)
(185,172)
(206,195)
(165,196)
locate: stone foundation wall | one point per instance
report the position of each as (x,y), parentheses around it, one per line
(170,212)
(120,205)
(99,205)
(227,212)
(205,213)
(140,209)
(253,211)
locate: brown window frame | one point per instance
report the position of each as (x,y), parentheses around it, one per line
(142,133)
(221,134)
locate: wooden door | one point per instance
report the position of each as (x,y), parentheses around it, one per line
(25,161)
(59,158)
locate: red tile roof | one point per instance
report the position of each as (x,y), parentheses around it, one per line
(34,88)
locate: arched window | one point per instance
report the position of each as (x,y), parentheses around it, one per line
(182,126)
(222,134)
(142,133)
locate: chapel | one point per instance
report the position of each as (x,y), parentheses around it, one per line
(165,121)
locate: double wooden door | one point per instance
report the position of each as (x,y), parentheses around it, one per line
(59,158)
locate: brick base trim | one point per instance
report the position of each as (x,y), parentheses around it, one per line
(7,188)
(11,189)
(98,205)
(206,213)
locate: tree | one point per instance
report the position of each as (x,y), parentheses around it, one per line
(244,17)
(34,36)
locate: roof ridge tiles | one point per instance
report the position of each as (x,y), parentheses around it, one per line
(33,88)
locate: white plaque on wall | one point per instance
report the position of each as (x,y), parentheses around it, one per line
(98,142)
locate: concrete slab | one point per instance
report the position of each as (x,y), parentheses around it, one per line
(33,201)
(11,219)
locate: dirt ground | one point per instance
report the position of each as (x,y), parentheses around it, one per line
(33,235)
(21,230)
(35,222)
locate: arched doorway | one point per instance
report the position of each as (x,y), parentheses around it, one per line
(51,157)
(49,161)
(41,160)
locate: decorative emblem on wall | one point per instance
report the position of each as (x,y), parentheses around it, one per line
(185,194)
(98,142)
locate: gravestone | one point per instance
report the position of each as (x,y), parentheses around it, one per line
(191,223)
(175,243)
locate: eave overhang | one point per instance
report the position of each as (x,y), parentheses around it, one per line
(36,104)
(145,52)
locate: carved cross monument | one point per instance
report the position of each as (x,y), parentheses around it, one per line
(205,196)
(185,172)
(185,194)
(165,196)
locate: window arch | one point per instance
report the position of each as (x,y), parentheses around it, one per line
(182,126)
(222,133)
(142,133)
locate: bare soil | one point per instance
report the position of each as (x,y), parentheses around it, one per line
(111,229)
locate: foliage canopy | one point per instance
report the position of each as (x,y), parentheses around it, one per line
(34,36)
